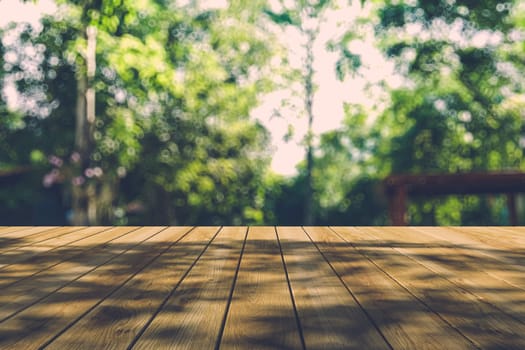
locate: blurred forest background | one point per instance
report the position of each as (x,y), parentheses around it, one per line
(138,112)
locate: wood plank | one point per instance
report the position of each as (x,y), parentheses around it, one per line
(497,236)
(330,317)
(193,315)
(403,320)
(37,325)
(505,245)
(7,229)
(39,237)
(501,261)
(40,257)
(417,287)
(21,231)
(472,272)
(21,295)
(261,313)
(15,234)
(483,237)
(482,323)
(51,249)
(120,318)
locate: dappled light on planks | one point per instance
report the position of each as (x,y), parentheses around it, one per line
(262,287)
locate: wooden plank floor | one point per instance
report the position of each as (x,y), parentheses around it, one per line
(262,287)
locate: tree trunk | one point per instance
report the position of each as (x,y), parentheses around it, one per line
(83,201)
(79,200)
(309,95)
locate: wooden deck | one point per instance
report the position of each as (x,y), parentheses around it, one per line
(262,287)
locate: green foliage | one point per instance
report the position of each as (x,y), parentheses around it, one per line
(347,63)
(173,139)
(174,91)
(281,18)
(456,111)
(284,200)
(486,14)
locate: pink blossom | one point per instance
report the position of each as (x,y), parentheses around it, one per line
(89,172)
(78,180)
(75,157)
(50,178)
(54,160)
(47,181)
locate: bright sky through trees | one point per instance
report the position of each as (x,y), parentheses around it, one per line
(329,98)
(331,93)
(191,134)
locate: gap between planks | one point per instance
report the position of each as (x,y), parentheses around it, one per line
(482,324)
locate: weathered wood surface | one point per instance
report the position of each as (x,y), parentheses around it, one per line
(262,287)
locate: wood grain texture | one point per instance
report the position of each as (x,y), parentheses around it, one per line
(330,317)
(192,316)
(483,324)
(504,245)
(20,232)
(488,240)
(404,321)
(25,293)
(284,287)
(55,249)
(54,313)
(503,261)
(36,238)
(470,270)
(39,258)
(496,237)
(7,229)
(261,314)
(119,319)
